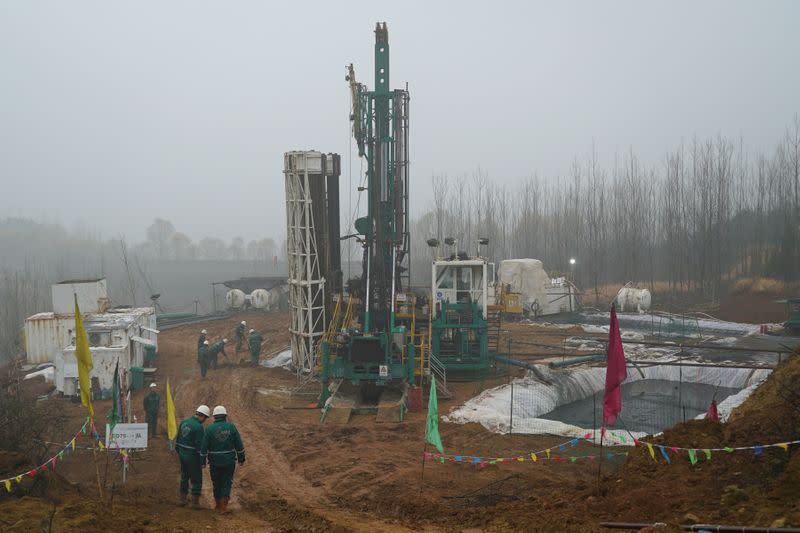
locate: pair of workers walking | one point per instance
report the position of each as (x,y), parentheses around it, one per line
(220,446)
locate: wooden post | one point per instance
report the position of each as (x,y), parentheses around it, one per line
(97,468)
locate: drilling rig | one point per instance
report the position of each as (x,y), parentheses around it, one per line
(369,346)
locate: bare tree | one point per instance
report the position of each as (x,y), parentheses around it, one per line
(128,267)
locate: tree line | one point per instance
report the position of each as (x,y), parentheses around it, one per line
(167,262)
(708,213)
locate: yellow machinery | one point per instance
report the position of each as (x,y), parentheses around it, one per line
(508,303)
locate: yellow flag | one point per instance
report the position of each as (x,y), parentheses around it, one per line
(8,485)
(547,451)
(73,445)
(652,452)
(172,425)
(784,445)
(533,457)
(84,358)
(19,479)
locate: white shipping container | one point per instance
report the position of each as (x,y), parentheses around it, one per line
(47,334)
(114,336)
(104,360)
(92,296)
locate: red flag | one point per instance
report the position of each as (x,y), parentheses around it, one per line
(712,413)
(616,372)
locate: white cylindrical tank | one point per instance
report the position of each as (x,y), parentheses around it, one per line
(259,299)
(630,299)
(235,299)
(275,296)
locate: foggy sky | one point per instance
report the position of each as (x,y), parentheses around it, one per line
(114,113)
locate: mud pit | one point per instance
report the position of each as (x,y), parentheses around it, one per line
(364,476)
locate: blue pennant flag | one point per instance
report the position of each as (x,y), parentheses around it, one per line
(664,453)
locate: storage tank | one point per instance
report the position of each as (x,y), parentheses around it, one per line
(259,299)
(279,298)
(630,299)
(235,299)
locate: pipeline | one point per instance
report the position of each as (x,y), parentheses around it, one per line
(701,527)
(522,364)
(577,360)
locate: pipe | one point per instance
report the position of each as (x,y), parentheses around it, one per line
(522,364)
(629,525)
(577,360)
(701,527)
(740,529)
(513,362)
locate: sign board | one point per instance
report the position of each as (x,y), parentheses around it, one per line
(127,436)
(383,371)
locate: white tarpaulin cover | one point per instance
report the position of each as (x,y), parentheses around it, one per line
(528,278)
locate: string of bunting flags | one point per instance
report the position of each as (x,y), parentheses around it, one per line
(556,455)
(52,461)
(692,453)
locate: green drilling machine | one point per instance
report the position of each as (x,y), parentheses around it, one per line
(369,345)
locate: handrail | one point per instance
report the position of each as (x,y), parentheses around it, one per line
(437,369)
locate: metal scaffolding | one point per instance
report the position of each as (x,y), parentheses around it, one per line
(307,249)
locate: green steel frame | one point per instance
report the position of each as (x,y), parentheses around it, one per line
(380,352)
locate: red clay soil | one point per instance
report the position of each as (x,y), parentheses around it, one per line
(301,475)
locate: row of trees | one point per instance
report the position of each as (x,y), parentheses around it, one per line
(708,213)
(35,255)
(165,242)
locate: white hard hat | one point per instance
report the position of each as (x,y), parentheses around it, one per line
(244,323)
(220,410)
(205,342)
(204,410)
(252,331)
(152,385)
(224,341)
(203,332)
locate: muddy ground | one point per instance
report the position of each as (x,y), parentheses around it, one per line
(301,475)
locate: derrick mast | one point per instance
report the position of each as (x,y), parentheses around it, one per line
(380,128)
(379,349)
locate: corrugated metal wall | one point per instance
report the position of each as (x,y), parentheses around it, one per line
(47,335)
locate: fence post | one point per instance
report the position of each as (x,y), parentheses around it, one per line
(511,414)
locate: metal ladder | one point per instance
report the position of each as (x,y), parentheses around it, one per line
(493,322)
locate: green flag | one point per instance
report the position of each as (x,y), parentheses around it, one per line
(432,428)
(113,416)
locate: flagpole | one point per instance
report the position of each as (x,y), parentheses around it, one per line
(422,475)
(96,466)
(600,462)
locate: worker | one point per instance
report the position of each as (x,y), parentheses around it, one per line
(214,350)
(255,341)
(187,444)
(222,447)
(201,339)
(240,336)
(202,358)
(151,404)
